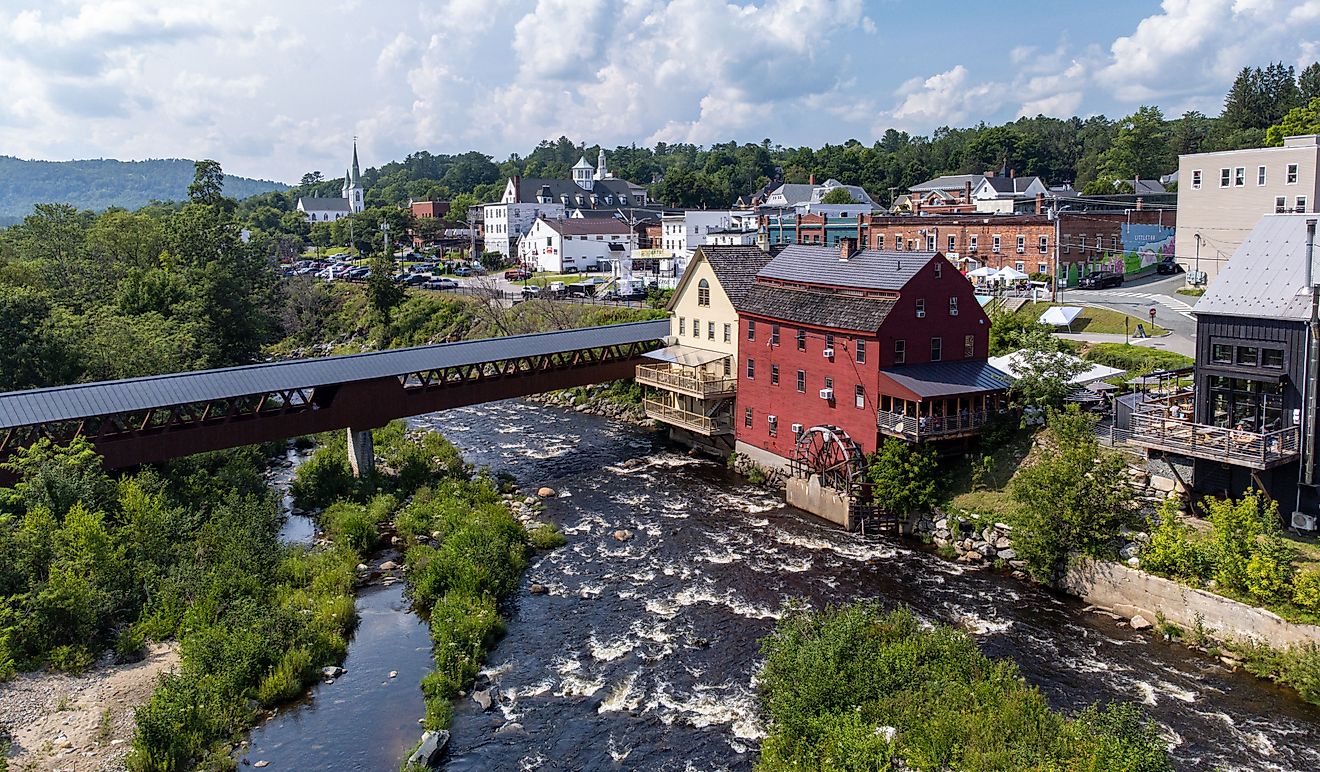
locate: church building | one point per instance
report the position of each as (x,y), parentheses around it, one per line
(330,209)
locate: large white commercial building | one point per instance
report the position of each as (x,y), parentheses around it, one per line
(578,244)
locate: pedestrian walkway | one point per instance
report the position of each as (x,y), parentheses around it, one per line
(1168,301)
(1174,343)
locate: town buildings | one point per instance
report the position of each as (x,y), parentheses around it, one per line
(350,201)
(808,198)
(1245,421)
(526,199)
(966,193)
(869,343)
(577,244)
(692,384)
(1222,195)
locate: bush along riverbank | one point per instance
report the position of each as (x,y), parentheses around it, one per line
(464,547)
(188,552)
(857,688)
(618,400)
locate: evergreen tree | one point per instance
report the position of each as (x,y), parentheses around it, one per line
(1308,83)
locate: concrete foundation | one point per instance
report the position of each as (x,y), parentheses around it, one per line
(819,500)
(763,457)
(361,452)
(1128,591)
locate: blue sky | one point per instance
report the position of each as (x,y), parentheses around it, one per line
(276,89)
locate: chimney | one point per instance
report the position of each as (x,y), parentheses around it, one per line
(967,192)
(517,189)
(1140,202)
(811,180)
(847,247)
(990,172)
(1040,203)
(916,206)
(1012,174)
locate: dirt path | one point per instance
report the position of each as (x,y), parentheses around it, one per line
(79,723)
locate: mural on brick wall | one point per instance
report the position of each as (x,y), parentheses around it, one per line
(1143,247)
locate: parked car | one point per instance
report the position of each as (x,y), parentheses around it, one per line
(1168,267)
(531,291)
(463,272)
(515,274)
(440,284)
(556,287)
(416,279)
(1101,280)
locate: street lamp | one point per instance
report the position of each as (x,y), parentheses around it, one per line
(385,235)
(1198,257)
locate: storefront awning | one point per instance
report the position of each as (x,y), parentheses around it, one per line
(939,379)
(685,355)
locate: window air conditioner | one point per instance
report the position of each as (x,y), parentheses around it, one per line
(772,419)
(921,314)
(827,394)
(797,428)
(829,353)
(1303,522)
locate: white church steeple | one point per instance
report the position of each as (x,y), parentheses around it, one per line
(582,174)
(353,184)
(602,171)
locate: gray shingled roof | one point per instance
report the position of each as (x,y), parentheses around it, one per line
(1010,184)
(735,267)
(948,182)
(867,269)
(310,203)
(794,192)
(1266,276)
(63,403)
(814,307)
(935,379)
(589,226)
(531,187)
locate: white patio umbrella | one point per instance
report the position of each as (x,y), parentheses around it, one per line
(1008,273)
(984,272)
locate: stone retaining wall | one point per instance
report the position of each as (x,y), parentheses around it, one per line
(1133,593)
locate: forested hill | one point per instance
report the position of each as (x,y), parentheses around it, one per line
(101,183)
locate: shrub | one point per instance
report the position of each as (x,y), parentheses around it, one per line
(351,525)
(1298,667)
(285,681)
(1270,569)
(902,476)
(833,681)
(1237,527)
(1306,589)
(1171,551)
(546,536)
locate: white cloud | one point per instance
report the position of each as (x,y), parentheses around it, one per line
(944,98)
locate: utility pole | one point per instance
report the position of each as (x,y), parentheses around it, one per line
(1056,289)
(385,235)
(1198,257)
(1310,398)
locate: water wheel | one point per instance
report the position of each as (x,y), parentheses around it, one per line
(829,452)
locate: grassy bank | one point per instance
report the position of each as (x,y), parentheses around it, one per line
(860,689)
(1137,360)
(465,550)
(1095,320)
(190,552)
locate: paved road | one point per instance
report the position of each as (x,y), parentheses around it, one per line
(1172,311)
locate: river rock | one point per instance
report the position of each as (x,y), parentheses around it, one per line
(538,589)
(394,674)
(428,753)
(482,698)
(545,492)
(362,567)
(1007,554)
(511,727)
(1139,622)
(1129,551)
(389,565)
(333,671)
(260,764)
(623,534)
(1003,543)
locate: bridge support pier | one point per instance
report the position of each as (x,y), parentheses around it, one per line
(361,452)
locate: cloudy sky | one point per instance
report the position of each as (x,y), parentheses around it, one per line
(274,89)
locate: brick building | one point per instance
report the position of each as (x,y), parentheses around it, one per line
(1024,242)
(873,343)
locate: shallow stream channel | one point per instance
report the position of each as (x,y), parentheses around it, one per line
(640,653)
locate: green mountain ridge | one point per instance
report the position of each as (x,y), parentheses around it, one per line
(102,183)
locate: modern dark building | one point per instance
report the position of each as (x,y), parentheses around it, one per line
(1246,422)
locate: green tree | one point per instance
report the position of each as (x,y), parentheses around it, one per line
(1072,500)
(1045,369)
(1141,147)
(384,292)
(903,476)
(1299,120)
(838,196)
(208,183)
(1308,83)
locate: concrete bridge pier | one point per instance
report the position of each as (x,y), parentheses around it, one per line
(361,452)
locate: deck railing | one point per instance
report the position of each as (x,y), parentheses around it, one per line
(932,427)
(1258,450)
(686,419)
(689,381)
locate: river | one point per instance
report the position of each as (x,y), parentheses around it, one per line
(643,653)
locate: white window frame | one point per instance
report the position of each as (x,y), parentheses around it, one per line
(995,242)
(1280,204)
(1044,245)
(1021,244)
(1293,171)
(1260,176)
(1196,179)
(1225,177)
(1302,202)
(1239,176)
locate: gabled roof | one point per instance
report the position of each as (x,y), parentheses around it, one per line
(735,267)
(820,308)
(865,269)
(531,187)
(793,193)
(948,182)
(1014,185)
(937,379)
(313,204)
(588,226)
(1266,277)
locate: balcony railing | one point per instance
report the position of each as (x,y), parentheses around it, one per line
(686,419)
(933,427)
(1257,450)
(689,381)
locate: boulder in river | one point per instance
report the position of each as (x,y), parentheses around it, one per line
(622,534)
(538,589)
(482,698)
(388,565)
(332,671)
(428,753)
(545,492)
(1139,622)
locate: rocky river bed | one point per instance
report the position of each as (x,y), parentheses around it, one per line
(639,650)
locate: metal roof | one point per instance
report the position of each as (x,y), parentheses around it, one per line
(938,379)
(64,403)
(1266,276)
(866,269)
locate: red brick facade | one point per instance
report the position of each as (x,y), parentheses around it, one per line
(1024,242)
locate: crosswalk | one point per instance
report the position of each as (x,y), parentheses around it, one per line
(1168,301)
